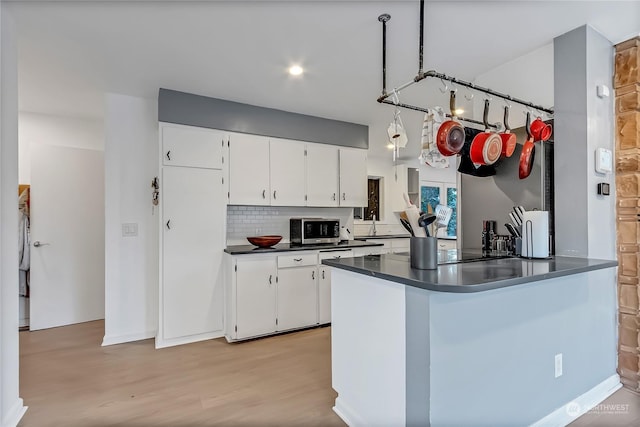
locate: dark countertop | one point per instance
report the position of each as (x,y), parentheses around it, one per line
(287,247)
(464,277)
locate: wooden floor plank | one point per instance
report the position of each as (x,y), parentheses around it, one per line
(68,379)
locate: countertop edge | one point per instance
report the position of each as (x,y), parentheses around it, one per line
(480,287)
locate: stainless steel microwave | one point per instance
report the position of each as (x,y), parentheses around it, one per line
(308,231)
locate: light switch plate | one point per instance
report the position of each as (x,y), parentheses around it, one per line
(604,160)
(129,229)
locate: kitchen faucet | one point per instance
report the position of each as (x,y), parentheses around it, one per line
(373,231)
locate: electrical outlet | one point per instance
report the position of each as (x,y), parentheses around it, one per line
(558,365)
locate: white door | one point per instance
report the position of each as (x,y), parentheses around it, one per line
(353,177)
(286,172)
(322,175)
(297,297)
(249,170)
(192,248)
(67,236)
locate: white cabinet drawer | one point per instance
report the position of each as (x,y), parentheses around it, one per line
(297,260)
(336,254)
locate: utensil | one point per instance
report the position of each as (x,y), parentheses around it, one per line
(406,225)
(264,241)
(413,216)
(511,229)
(450,137)
(540,130)
(520,210)
(443,216)
(486,147)
(517,213)
(509,140)
(425,221)
(515,220)
(528,154)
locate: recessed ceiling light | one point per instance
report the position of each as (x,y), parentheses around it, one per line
(295,70)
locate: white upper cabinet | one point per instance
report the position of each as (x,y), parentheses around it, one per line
(249,170)
(287,172)
(191,146)
(322,175)
(353,177)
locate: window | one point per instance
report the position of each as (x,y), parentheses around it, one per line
(433,194)
(374,202)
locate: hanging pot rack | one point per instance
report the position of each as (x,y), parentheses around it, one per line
(422,75)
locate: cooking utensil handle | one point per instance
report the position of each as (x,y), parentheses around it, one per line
(485,114)
(507,129)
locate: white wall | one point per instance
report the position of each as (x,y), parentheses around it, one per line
(131,263)
(11,406)
(528,77)
(46,129)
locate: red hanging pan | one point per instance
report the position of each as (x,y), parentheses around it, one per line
(508,139)
(450,138)
(486,146)
(528,154)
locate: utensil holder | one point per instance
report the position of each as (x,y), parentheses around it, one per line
(423,252)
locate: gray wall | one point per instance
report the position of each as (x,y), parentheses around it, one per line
(492,353)
(195,110)
(585,222)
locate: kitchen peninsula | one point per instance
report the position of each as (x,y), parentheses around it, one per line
(502,341)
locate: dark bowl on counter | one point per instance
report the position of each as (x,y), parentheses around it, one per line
(264,241)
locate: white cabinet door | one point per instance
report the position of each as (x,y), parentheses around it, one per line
(191,146)
(324,284)
(322,175)
(193,239)
(249,170)
(255,297)
(297,297)
(287,172)
(353,177)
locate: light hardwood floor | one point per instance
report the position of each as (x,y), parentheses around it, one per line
(68,380)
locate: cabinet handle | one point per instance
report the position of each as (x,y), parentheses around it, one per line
(322,274)
(334,197)
(297,259)
(270,279)
(169,155)
(337,257)
(264,192)
(274,194)
(168,226)
(313,275)
(344,195)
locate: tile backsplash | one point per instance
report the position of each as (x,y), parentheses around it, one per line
(245,221)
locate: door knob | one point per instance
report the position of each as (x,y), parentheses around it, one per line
(38,243)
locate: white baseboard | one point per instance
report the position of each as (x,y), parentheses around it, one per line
(347,414)
(162,343)
(14,415)
(580,405)
(119,339)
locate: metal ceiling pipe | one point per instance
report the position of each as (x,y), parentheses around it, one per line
(384,18)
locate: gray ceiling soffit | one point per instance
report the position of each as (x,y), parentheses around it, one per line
(196,110)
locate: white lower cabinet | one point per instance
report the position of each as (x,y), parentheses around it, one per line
(255,297)
(297,297)
(324,283)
